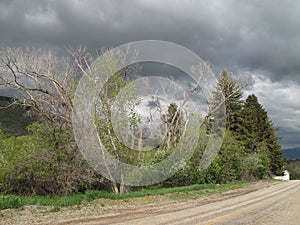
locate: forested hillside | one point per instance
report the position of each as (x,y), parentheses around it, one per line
(13,119)
(292,153)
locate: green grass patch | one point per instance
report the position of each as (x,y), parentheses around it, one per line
(13,201)
(55,209)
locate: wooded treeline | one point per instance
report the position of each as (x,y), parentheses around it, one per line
(47,159)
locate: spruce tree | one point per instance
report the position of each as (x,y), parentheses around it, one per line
(256,128)
(231,92)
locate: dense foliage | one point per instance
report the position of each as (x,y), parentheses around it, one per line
(47,161)
(43,163)
(293,166)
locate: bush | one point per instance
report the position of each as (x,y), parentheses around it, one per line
(256,166)
(228,165)
(293,166)
(43,163)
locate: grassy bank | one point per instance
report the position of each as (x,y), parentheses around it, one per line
(13,201)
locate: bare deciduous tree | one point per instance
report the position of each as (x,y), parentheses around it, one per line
(47,83)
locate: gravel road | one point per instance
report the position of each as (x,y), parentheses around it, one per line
(263,203)
(276,204)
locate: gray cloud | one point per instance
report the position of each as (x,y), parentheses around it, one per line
(281,100)
(252,37)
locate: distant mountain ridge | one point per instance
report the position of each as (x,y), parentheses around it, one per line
(292,153)
(13,119)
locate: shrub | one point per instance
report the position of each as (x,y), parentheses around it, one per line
(43,163)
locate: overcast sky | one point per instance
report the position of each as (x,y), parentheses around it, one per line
(257,38)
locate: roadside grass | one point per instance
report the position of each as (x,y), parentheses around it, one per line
(186,192)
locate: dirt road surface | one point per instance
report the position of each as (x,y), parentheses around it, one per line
(273,203)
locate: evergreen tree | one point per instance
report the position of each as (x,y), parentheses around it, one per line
(256,128)
(230,91)
(230,159)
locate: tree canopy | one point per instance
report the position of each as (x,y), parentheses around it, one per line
(47,159)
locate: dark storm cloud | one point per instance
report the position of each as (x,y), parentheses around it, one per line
(238,35)
(251,37)
(281,100)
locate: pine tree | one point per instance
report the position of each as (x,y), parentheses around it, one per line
(256,128)
(229,89)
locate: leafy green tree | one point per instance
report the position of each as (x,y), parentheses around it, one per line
(228,165)
(191,174)
(173,120)
(293,166)
(232,153)
(257,164)
(119,108)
